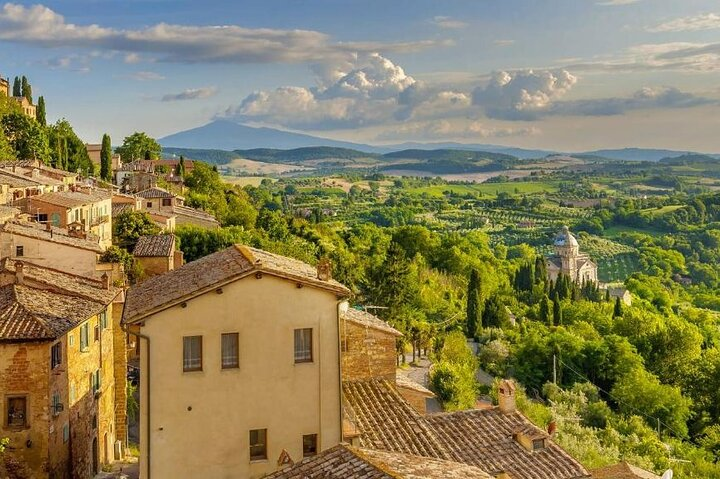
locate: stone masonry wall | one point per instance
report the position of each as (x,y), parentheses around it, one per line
(367,353)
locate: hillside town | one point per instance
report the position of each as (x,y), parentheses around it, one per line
(359,240)
(295,378)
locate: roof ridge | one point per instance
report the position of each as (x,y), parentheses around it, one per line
(247,254)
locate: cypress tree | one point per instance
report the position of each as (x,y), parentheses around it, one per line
(17,87)
(618,311)
(181,167)
(540,270)
(40,112)
(545,310)
(105,158)
(473,305)
(26,89)
(557,311)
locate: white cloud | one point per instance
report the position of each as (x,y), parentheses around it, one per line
(40,26)
(190,94)
(132,58)
(503,43)
(453,130)
(615,3)
(448,22)
(708,21)
(522,95)
(74,63)
(146,76)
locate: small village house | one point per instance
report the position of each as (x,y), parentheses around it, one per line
(160,201)
(62,380)
(156,254)
(258,334)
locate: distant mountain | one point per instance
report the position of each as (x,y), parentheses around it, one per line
(227,135)
(690,159)
(521,153)
(274,155)
(639,154)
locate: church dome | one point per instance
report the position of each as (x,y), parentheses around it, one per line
(565,238)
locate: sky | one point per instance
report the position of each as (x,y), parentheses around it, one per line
(567,75)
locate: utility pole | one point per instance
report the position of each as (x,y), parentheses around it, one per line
(554,369)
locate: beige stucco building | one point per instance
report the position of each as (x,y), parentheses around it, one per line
(159,201)
(569,261)
(240,364)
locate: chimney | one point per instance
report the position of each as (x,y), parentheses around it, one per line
(506,396)
(19,273)
(105,281)
(324,270)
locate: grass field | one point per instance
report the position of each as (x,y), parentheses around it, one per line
(488,189)
(246,180)
(663,210)
(617,231)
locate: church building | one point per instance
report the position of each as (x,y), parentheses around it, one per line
(568,260)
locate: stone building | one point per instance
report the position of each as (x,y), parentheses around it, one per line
(240,364)
(4,86)
(49,246)
(62,401)
(85,211)
(156,254)
(163,202)
(569,261)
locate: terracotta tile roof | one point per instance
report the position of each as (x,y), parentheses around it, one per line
(387,422)
(71,199)
(485,438)
(366,319)
(186,211)
(347,462)
(17,181)
(403,381)
(623,470)
(54,235)
(204,274)
(47,303)
(156,193)
(154,245)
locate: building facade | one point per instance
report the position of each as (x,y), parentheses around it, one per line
(569,261)
(57,373)
(257,334)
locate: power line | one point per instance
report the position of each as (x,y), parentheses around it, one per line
(658,420)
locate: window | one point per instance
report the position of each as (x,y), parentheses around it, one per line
(192,353)
(167,201)
(149,204)
(42,218)
(230,351)
(258,444)
(17,411)
(96,332)
(95,381)
(66,432)
(538,444)
(71,340)
(303,345)
(55,355)
(84,337)
(309,445)
(102,319)
(56,407)
(19,251)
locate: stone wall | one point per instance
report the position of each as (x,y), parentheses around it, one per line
(417,399)
(155,265)
(24,371)
(120,372)
(367,352)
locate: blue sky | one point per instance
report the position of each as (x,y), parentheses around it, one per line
(561,74)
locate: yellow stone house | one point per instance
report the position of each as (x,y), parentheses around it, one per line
(60,376)
(240,365)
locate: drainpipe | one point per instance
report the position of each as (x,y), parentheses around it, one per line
(147,339)
(340,375)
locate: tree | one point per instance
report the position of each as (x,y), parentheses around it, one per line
(495,314)
(128,226)
(67,150)
(474,317)
(618,311)
(137,146)
(40,111)
(557,311)
(105,158)
(27,138)
(545,311)
(17,87)
(181,167)
(26,89)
